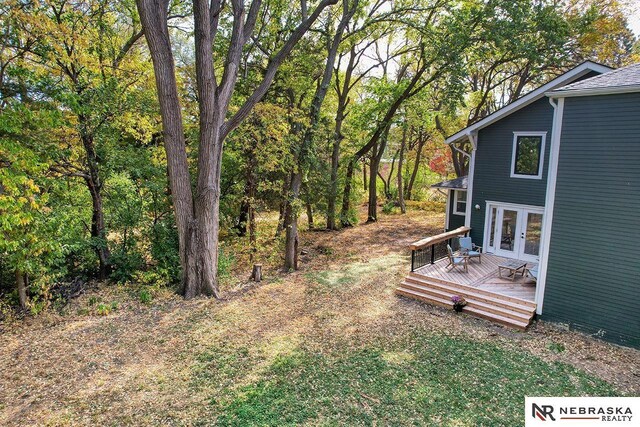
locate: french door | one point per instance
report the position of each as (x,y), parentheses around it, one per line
(514,231)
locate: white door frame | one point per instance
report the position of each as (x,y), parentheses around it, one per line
(522,209)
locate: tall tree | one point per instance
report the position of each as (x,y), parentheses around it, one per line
(80,61)
(291,215)
(197,211)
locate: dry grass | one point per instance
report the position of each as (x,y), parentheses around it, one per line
(166,362)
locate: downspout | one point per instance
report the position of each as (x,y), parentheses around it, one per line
(473,139)
(550,197)
(447,210)
(464,153)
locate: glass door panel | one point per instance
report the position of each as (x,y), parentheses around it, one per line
(492,227)
(508,229)
(532,234)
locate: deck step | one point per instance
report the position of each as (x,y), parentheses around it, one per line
(506,321)
(462,288)
(506,310)
(472,301)
(484,297)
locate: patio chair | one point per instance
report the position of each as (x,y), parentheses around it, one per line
(457,260)
(470,249)
(533,272)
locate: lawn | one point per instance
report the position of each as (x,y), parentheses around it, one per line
(328,345)
(412,379)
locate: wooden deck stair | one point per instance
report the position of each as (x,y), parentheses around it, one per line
(506,310)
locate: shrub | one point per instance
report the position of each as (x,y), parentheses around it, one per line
(145,296)
(388,207)
(225,261)
(164,251)
(125,262)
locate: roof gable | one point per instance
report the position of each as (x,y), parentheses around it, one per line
(568,77)
(626,79)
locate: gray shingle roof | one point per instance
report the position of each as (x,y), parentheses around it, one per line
(622,77)
(452,184)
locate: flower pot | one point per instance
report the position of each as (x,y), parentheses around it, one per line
(458,308)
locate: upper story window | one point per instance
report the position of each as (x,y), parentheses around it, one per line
(528,154)
(459,202)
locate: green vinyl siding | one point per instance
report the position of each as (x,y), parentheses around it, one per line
(593,275)
(455,221)
(492,177)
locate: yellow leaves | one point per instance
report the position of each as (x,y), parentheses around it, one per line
(140,127)
(31,185)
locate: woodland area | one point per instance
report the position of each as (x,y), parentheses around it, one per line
(140,142)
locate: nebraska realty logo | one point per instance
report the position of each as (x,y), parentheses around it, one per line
(582,411)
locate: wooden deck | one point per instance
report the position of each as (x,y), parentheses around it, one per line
(498,299)
(482,276)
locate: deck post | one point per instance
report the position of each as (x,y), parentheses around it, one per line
(433,254)
(413,258)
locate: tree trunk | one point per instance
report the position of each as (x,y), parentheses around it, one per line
(243,216)
(256,273)
(387,182)
(94,184)
(194,238)
(403,143)
(411,89)
(291,228)
(307,202)
(291,218)
(284,202)
(365,181)
(460,162)
(416,166)
(335,159)
(377,153)
(197,215)
(251,212)
(346,195)
(385,186)
(98,230)
(372,209)
(21,284)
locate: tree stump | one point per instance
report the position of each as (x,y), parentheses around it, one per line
(256,274)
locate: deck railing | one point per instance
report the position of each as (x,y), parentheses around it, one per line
(431,249)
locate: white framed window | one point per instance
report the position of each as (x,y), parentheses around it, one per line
(459,202)
(527,157)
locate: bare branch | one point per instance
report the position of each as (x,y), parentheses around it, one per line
(272,68)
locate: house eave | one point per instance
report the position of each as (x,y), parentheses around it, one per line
(593,91)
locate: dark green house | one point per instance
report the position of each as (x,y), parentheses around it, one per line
(554,180)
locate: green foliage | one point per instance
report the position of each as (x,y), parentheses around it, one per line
(389,207)
(164,250)
(104,309)
(144,295)
(69,99)
(555,347)
(225,263)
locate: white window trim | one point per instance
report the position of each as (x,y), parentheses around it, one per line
(540,162)
(455,210)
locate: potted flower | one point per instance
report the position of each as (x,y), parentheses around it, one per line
(458,302)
